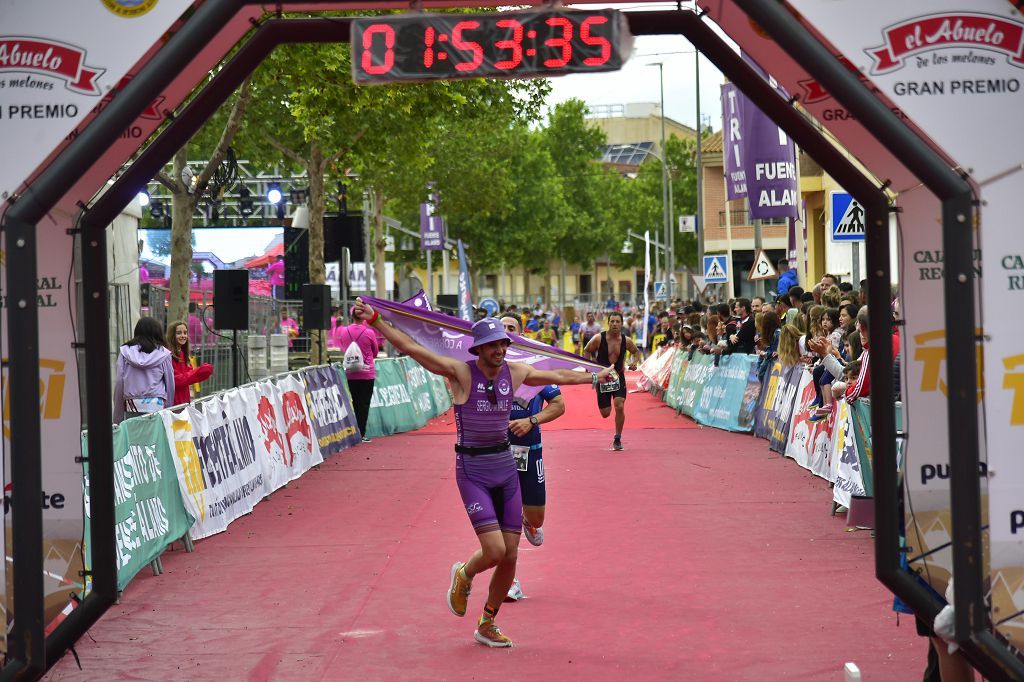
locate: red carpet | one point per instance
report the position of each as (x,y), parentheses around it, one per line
(694,555)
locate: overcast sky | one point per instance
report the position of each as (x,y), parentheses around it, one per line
(637,82)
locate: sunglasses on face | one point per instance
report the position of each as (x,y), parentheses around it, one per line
(492,397)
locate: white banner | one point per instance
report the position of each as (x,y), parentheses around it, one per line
(944,63)
(238,447)
(808,441)
(1003,292)
(58,60)
(220,475)
(923,365)
(845,471)
(59,409)
(302,449)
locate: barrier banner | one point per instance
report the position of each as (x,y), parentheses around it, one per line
(846,471)
(215,457)
(330,410)
(751,398)
(679,365)
(721,400)
(149,512)
(417,380)
(779,406)
(764,401)
(301,451)
(808,441)
(695,378)
(391,408)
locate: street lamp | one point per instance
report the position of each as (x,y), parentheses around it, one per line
(664,180)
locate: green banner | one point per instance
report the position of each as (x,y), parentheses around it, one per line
(695,378)
(860,415)
(679,363)
(149,513)
(405,397)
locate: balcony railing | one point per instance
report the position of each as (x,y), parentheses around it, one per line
(741,218)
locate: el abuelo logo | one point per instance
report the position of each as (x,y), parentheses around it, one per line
(46,57)
(963,29)
(129,9)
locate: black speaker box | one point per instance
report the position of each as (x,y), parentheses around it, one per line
(448,302)
(231,299)
(316,306)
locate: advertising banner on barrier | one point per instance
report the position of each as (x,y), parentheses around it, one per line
(301,450)
(779,404)
(330,411)
(219,474)
(751,398)
(391,408)
(675,382)
(695,378)
(418,382)
(721,400)
(149,513)
(846,471)
(808,441)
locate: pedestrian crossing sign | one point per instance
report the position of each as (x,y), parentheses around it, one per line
(660,294)
(846,218)
(716,270)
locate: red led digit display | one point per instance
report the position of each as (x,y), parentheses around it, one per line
(528,44)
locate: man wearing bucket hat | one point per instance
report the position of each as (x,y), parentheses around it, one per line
(485,470)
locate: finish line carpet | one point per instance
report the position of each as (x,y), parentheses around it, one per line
(695,554)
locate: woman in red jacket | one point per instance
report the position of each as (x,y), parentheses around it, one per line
(184,374)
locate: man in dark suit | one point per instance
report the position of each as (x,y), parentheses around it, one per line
(743,340)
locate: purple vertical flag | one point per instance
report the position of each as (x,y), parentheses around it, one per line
(431,228)
(769,160)
(465,290)
(732,113)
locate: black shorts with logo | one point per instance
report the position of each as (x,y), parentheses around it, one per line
(605,399)
(531,481)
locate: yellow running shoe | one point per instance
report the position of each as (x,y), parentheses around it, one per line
(458,593)
(487,633)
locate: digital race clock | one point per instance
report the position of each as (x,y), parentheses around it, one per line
(423,46)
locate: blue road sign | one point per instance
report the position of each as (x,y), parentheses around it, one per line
(490,305)
(716,269)
(846,218)
(659,291)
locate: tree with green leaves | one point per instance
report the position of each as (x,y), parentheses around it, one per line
(187,189)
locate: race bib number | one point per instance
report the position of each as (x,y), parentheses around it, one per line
(521,453)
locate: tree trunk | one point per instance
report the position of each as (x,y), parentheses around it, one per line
(526,287)
(182,205)
(378,244)
(317,269)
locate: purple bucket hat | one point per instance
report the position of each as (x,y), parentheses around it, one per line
(486,331)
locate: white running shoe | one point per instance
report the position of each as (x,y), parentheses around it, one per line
(515,593)
(534,535)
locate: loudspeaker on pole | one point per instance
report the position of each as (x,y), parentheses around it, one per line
(316,306)
(231,299)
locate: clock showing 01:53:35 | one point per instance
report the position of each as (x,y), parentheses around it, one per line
(531,44)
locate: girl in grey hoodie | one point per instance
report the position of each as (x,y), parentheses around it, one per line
(145,375)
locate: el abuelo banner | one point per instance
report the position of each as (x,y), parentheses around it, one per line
(58,61)
(941,62)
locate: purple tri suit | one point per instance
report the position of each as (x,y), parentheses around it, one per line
(484,468)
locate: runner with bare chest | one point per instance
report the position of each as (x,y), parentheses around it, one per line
(609,349)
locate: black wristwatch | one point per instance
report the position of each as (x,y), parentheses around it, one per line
(533,420)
